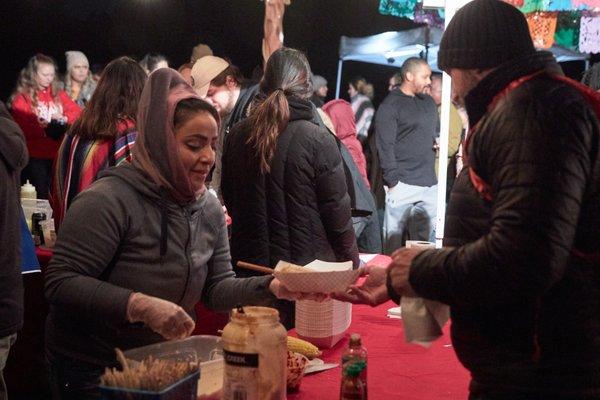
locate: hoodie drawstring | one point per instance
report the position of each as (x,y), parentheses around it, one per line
(164,225)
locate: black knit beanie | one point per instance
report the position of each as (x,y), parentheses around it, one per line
(484,34)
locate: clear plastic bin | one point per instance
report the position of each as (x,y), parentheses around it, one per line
(205,347)
(184,389)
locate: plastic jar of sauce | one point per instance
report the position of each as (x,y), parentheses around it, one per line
(255,352)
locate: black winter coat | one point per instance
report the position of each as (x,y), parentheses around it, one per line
(13,157)
(298,212)
(525,310)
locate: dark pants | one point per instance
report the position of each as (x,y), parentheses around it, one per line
(508,396)
(73,380)
(39,173)
(476,392)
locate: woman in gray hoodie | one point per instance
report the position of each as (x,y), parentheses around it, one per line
(143,245)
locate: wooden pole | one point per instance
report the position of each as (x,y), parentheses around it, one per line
(273,27)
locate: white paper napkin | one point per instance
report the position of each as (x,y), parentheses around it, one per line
(423,319)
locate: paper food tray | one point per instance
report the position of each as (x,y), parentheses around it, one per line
(322,323)
(318,276)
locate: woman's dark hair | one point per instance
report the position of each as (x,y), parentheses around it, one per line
(116,98)
(287,74)
(151,60)
(187,108)
(591,77)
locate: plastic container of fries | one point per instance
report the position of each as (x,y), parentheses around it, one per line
(184,389)
(207,350)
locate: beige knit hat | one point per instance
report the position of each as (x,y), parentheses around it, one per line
(205,70)
(75,58)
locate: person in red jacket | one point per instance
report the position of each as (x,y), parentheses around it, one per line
(43,113)
(342,117)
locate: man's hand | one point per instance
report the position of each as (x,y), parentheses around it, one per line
(399,270)
(372,292)
(282,292)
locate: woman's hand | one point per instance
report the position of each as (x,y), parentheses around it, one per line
(59,117)
(282,292)
(163,317)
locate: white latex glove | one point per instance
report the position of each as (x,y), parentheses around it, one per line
(282,292)
(163,317)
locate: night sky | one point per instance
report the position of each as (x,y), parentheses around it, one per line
(105,29)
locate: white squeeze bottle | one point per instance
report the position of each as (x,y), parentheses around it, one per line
(28,191)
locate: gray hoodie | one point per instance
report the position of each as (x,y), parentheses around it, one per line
(124,234)
(13,157)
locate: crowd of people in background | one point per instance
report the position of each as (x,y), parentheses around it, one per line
(146,166)
(72,136)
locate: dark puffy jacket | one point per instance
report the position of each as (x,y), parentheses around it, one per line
(248,91)
(523,277)
(298,212)
(364,211)
(13,157)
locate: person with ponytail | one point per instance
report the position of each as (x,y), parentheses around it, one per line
(361,98)
(283,179)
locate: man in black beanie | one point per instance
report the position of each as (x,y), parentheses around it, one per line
(521,264)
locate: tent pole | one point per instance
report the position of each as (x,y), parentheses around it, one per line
(339,79)
(450,10)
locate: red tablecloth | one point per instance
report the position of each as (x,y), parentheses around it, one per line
(396,370)
(44,255)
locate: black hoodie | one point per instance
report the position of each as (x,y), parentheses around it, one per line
(13,157)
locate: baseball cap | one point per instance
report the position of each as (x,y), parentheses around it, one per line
(205,70)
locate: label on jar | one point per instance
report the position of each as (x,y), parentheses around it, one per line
(241,376)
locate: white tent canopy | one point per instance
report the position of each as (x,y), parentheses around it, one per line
(563,54)
(393,48)
(388,48)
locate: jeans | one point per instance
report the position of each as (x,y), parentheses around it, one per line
(409,207)
(39,173)
(5,344)
(72,379)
